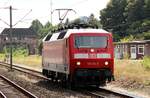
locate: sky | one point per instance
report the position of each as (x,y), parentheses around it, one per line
(25,11)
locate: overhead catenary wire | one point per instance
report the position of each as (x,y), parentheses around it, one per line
(23,17)
(4,22)
(2,27)
(51,3)
(69,7)
(8,8)
(30,19)
(18,20)
(4,7)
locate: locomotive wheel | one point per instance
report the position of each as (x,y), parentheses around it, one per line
(97,85)
(103,83)
(69,85)
(63,83)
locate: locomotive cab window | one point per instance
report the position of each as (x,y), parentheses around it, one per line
(90,41)
(48,37)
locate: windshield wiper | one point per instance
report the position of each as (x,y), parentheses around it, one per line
(84,46)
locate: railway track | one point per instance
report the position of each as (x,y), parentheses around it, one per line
(2,95)
(25,70)
(9,89)
(96,92)
(105,93)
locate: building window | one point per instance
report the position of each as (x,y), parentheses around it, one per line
(141,49)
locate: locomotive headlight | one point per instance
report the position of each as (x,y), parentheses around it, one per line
(106,63)
(78,63)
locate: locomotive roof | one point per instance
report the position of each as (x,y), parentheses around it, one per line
(67,33)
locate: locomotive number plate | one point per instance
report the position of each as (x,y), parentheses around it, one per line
(92,63)
(93,55)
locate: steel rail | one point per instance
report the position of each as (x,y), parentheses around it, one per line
(117,93)
(107,91)
(20,67)
(93,94)
(26,71)
(107,95)
(24,91)
(2,95)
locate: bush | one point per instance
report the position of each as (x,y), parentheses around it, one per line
(126,56)
(146,62)
(146,35)
(128,38)
(20,51)
(17,51)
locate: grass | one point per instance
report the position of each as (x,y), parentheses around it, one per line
(127,69)
(34,61)
(146,62)
(132,69)
(2,56)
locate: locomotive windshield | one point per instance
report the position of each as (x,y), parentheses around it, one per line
(90,41)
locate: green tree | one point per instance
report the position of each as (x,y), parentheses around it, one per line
(135,10)
(146,35)
(42,31)
(147,9)
(93,21)
(137,16)
(127,17)
(90,21)
(112,17)
(45,30)
(36,25)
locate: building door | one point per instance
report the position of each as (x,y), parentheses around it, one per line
(133,52)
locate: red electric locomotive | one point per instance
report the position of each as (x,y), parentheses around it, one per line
(79,56)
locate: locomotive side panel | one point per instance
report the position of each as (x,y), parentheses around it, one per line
(54,56)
